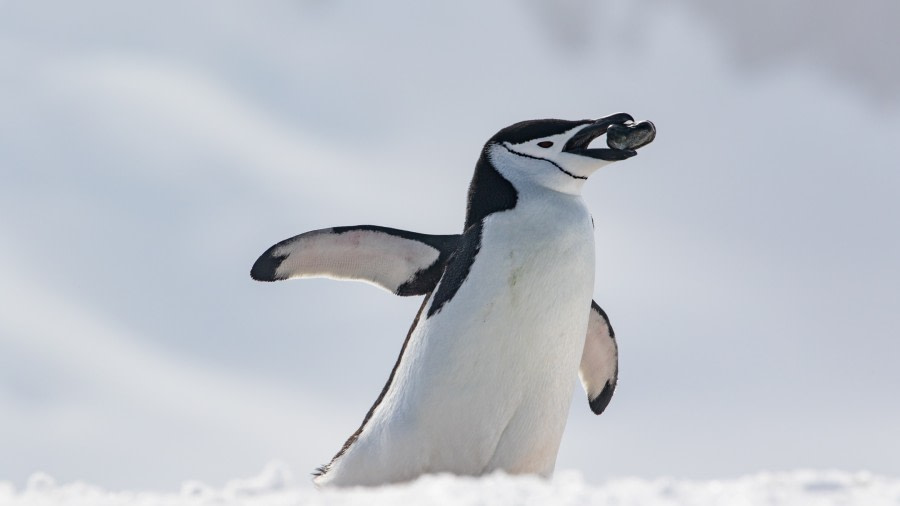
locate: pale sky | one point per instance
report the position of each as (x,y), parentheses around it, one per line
(748,259)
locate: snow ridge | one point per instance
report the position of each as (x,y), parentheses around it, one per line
(275,486)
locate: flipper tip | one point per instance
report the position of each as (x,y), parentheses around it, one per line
(266,266)
(598,404)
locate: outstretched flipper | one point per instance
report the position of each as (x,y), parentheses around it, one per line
(600,360)
(401,262)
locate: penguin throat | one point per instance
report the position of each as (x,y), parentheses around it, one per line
(564,171)
(525,171)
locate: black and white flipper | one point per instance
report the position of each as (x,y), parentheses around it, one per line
(402,262)
(599,361)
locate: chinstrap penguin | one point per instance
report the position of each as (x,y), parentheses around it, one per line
(483,381)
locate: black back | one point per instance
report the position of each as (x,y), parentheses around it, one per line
(489,192)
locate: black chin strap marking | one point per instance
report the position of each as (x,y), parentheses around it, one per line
(564,171)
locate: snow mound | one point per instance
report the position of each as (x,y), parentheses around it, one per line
(275,486)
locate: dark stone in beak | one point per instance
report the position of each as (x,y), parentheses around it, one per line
(630,136)
(578,145)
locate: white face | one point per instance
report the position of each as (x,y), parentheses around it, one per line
(543,162)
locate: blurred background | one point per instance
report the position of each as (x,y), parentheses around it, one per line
(748,259)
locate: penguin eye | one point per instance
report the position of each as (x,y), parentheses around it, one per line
(545,144)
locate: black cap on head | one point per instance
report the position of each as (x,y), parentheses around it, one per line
(525,131)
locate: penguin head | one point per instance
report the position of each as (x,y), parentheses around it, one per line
(555,153)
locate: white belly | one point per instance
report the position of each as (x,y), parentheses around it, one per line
(486,383)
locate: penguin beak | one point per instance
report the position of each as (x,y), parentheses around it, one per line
(629,138)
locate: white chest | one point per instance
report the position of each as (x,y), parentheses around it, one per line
(486,382)
(516,326)
(544,249)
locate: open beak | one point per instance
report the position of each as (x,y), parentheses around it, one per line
(629,137)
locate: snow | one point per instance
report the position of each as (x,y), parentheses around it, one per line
(276,486)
